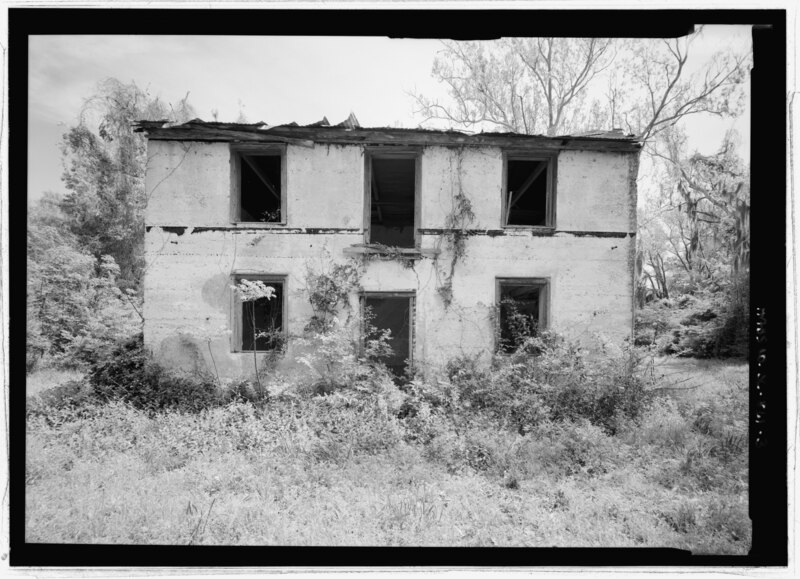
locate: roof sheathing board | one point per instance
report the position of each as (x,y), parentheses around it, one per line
(308,135)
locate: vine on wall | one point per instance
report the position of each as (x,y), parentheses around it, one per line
(328,288)
(460,217)
(388,253)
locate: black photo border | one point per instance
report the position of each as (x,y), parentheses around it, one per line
(768,440)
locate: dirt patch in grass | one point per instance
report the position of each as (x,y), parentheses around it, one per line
(42,380)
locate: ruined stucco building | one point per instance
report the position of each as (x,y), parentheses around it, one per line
(446,225)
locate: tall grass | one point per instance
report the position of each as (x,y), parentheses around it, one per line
(350,469)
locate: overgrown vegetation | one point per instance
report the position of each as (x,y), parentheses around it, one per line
(329,289)
(701,325)
(75,306)
(373,463)
(85,248)
(128,375)
(545,424)
(694,254)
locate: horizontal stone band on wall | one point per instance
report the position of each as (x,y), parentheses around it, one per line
(180,230)
(543,232)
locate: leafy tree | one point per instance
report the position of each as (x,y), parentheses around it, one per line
(698,232)
(85,249)
(709,198)
(74,307)
(652,263)
(104,169)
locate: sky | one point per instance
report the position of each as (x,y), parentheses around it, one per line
(271,79)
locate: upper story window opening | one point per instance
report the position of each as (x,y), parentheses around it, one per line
(260,195)
(529,190)
(393,197)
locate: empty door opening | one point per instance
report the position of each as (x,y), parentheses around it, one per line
(395,313)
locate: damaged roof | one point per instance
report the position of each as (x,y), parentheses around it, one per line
(350,131)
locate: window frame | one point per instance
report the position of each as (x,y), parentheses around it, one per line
(393,152)
(237,309)
(544,285)
(412,314)
(256,150)
(551,158)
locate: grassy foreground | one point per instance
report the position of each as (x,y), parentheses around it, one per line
(339,473)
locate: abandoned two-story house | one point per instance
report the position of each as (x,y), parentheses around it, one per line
(453,225)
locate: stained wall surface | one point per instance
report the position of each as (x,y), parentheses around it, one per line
(193,249)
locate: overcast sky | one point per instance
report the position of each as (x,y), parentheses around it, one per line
(270,79)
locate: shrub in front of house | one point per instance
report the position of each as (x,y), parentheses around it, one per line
(608,392)
(578,447)
(549,378)
(703,324)
(128,373)
(64,403)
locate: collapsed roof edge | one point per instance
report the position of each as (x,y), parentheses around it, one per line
(351,130)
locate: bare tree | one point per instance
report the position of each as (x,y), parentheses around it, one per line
(553,85)
(659,90)
(529,85)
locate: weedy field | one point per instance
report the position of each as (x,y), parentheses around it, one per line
(344,469)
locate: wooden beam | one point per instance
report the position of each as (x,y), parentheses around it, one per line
(264,179)
(376,194)
(528,182)
(307,136)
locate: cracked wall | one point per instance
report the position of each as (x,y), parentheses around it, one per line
(192,248)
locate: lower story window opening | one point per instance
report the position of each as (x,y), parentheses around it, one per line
(260,311)
(522,305)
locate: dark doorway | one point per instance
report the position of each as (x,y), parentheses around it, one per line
(392,312)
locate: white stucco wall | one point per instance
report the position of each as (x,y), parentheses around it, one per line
(187,183)
(325,186)
(188,294)
(481,182)
(594,191)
